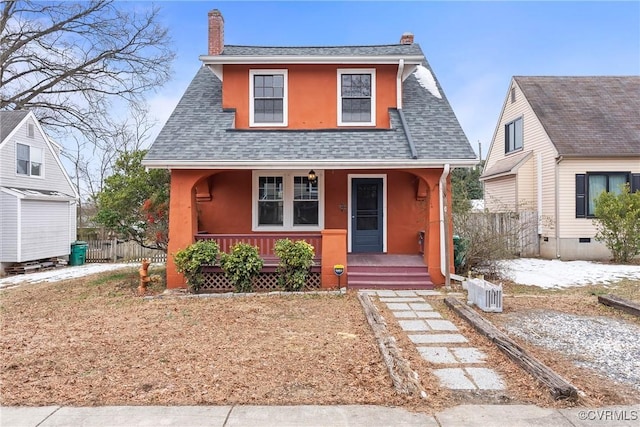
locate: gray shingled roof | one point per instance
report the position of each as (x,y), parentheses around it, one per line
(508,164)
(9,120)
(381,50)
(587,116)
(199,130)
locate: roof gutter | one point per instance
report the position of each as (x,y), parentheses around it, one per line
(299,59)
(306,164)
(412,145)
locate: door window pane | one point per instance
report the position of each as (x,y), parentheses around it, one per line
(367,197)
(367,222)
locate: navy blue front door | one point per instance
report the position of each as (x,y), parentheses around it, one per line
(366,215)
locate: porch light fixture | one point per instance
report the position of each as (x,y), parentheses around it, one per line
(312,176)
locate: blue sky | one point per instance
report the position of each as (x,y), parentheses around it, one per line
(474,47)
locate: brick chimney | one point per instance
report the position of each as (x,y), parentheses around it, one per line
(407,38)
(216,32)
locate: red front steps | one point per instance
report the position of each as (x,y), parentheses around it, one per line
(379,271)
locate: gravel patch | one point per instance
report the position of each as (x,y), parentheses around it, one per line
(609,346)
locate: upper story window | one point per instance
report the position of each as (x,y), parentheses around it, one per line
(268,97)
(356,97)
(513,136)
(28,160)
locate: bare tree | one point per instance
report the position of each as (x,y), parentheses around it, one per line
(69,61)
(94,158)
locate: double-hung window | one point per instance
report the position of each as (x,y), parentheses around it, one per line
(589,186)
(513,136)
(268,97)
(356,97)
(287,200)
(28,160)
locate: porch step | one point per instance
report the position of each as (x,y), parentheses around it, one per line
(389,277)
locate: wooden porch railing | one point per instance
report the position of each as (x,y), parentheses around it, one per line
(264,241)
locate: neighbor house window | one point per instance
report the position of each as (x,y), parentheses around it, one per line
(589,186)
(29,160)
(513,136)
(356,97)
(287,201)
(268,98)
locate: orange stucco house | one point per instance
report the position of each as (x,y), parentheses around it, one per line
(347,147)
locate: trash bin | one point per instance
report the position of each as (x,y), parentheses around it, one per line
(78,253)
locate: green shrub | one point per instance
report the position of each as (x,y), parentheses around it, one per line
(296,258)
(618,223)
(241,265)
(189,261)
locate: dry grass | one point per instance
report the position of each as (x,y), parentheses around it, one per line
(91,341)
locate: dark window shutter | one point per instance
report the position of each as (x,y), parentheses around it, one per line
(506,138)
(581,180)
(635,182)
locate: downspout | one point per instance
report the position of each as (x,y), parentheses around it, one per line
(403,121)
(444,229)
(539,174)
(399,84)
(557,207)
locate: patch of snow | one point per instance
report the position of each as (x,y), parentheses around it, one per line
(61,274)
(477,205)
(563,274)
(426,80)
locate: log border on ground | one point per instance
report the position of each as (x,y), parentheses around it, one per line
(620,303)
(404,379)
(558,386)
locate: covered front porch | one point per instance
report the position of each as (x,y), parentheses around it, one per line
(347,215)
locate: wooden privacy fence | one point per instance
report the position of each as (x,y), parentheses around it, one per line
(114,250)
(519,230)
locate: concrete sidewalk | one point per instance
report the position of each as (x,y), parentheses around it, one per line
(298,416)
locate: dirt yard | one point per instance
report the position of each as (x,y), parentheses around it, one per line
(91,341)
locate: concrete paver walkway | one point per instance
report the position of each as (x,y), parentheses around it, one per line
(459,366)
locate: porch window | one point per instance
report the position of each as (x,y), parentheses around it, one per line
(513,136)
(270,200)
(356,97)
(268,98)
(28,160)
(287,201)
(305,201)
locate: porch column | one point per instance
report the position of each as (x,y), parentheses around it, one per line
(183,220)
(432,245)
(334,251)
